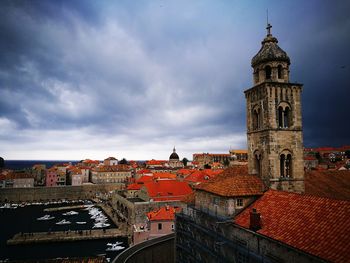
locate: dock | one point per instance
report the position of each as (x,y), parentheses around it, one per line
(61,208)
(64,236)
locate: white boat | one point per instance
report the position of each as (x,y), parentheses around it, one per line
(63,222)
(45,217)
(100,225)
(81,223)
(116,243)
(114,247)
(70,213)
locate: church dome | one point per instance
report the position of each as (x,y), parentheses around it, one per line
(174,155)
(270,51)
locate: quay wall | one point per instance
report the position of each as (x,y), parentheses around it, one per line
(158,250)
(55,193)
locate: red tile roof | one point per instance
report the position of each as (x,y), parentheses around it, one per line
(328,183)
(134,187)
(234,181)
(16,175)
(167,190)
(319,226)
(166,213)
(144,179)
(184,171)
(198,176)
(212,154)
(164,175)
(156,162)
(144,171)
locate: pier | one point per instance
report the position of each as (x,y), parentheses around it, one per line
(64,236)
(61,208)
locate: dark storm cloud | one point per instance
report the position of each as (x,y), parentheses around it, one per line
(320,60)
(93,77)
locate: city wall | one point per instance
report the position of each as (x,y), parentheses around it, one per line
(55,193)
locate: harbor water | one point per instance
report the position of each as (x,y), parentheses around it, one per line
(25,220)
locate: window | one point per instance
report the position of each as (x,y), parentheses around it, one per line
(216,201)
(279,72)
(159,226)
(239,202)
(172,226)
(286,165)
(257,162)
(268,72)
(256,119)
(283,117)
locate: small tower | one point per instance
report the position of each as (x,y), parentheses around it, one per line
(274,123)
(174,160)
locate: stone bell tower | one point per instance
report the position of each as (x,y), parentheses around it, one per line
(274,123)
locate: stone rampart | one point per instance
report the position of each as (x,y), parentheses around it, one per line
(55,193)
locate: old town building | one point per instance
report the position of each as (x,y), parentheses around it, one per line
(110,174)
(174,160)
(274,121)
(202,160)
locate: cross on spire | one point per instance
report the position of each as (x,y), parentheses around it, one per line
(268,29)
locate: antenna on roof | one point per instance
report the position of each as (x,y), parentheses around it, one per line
(267,16)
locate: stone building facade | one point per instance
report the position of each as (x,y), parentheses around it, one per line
(274,120)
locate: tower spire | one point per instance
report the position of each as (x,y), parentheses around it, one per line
(268,27)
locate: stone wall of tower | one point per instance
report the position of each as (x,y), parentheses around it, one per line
(269,140)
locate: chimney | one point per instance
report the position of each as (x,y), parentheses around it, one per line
(255,220)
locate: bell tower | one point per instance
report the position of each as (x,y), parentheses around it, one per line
(274,123)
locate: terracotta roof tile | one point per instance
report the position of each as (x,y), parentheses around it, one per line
(156,162)
(144,171)
(200,176)
(167,189)
(134,187)
(234,181)
(319,226)
(328,183)
(164,175)
(143,179)
(164,213)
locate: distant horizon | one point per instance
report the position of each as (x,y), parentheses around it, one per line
(143,159)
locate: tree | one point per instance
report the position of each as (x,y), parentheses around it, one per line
(207,166)
(347,154)
(185,161)
(318,156)
(2,162)
(226,162)
(123,161)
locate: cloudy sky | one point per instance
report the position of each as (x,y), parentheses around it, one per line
(92,79)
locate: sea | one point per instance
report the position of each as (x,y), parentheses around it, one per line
(24,164)
(24,219)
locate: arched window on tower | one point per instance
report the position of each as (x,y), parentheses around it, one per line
(279,72)
(284,116)
(282,164)
(267,72)
(257,163)
(256,119)
(286,165)
(280,117)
